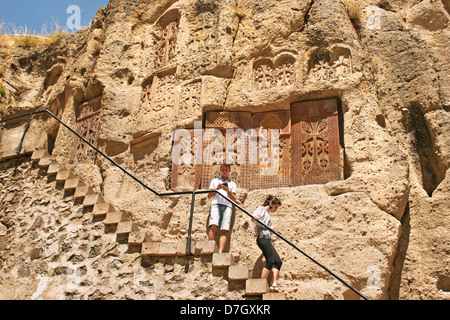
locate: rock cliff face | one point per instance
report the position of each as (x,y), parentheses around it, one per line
(358,90)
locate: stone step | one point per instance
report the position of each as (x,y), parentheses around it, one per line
(55,167)
(256,287)
(115,217)
(126,227)
(71,183)
(274,296)
(101,209)
(150,248)
(181,247)
(91,200)
(236,273)
(222,260)
(39,154)
(82,192)
(137,238)
(62,176)
(45,162)
(205,247)
(166,248)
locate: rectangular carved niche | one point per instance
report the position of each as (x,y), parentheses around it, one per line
(219,122)
(307,151)
(275,169)
(88,124)
(316,150)
(185,175)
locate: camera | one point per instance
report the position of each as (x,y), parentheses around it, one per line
(225,184)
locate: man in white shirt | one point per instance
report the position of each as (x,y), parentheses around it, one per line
(221,209)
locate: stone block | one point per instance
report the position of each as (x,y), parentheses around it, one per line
(150,248)
(237,272)
(71,184)
(62,176)
(45,162)
(222,260)
(274,296)
(181,248)
(168,249)
(91,199)
(102,209)
(39,154)
(82,191)
(138,237)
(115,217)
(126,227)
(55,167)
(254,287)
(205,247)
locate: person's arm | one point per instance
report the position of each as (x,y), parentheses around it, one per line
(211,187)
(231,192)
(256,214)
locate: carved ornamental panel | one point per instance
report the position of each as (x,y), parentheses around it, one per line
(186,175)
(166,45)
(269,149)
(316,156)
(88,125)
(215,138)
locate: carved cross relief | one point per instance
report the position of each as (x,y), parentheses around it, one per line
(166,46)
(88,124)
(268,74)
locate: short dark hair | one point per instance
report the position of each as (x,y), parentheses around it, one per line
(225,165)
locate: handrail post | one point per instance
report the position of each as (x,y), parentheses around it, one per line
(191,217)
(24,132)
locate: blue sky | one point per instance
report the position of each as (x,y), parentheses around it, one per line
(34,14)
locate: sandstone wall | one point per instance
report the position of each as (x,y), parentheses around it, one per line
(146,68)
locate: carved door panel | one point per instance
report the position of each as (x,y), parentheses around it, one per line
(88,125)
(316,154)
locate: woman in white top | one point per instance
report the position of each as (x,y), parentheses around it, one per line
(273,261)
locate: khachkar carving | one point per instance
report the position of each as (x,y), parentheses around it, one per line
(273,168)
(88,125)
(223,132)
(332,67)
(186,174)
(269,149)
(166,45)
(158,100)
(268,74)
(315,142)
(190,100)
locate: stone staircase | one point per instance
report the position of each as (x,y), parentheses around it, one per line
(138,240)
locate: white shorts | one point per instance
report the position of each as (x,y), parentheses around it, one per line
(220,214)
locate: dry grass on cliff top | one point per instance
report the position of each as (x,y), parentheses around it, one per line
(13,36)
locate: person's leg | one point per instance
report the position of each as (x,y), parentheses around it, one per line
(225,215)
(264,245)
(214,218)
(223,240)
(265,273)
(273,261)
(276,268)
(212,232)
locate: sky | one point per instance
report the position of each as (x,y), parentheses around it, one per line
(41,16)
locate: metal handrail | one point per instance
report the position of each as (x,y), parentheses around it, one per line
(192,193)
